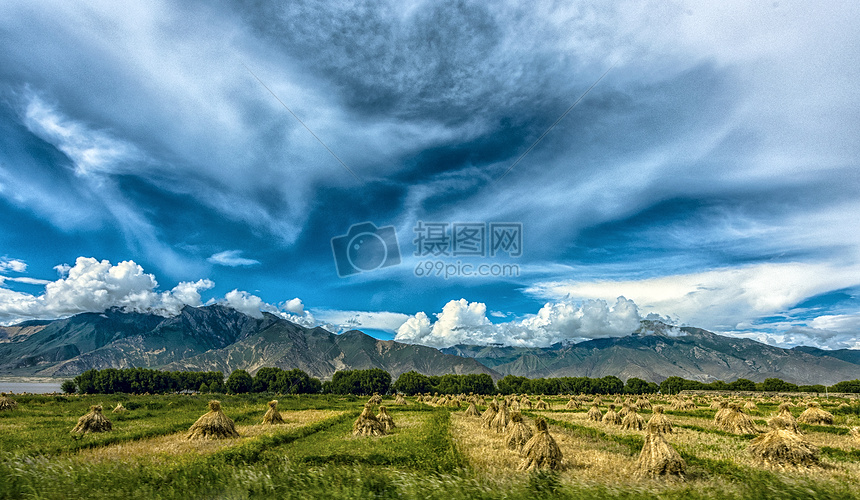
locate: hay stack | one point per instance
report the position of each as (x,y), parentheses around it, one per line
(643,404)
(94,421)
(213,425)
(400,400)
(385,419)
(489,414)
(611,417)
(723,409)
(518,433)
(572,404)
(750,406)
(683,405)
(783,446)
(658,457)
(7,403)
(594,414)
(659,421)
(785,414)
(541,404)
(633,422)
(376,399)
(625,410)
(541,451)
(500,421)
(367,424)
(120,409)
(273,416)
(814,415)
(472,411)
(855,434)
(736,421)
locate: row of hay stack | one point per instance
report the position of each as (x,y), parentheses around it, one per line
(212,425)
(538,449)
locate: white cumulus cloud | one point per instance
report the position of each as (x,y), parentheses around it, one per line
(92,285)
(463,322)
(14,265)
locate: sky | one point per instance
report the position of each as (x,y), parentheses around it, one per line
(437,172)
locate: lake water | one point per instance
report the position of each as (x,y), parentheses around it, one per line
(31,387)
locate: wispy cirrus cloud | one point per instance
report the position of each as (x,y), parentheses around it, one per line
(232,258)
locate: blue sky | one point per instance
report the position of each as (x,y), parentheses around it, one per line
(160,154)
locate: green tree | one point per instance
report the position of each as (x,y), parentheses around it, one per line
(638,386)
(265,379)
(846,386)
(204,389)
(412,383)
(511,384)
(239,382)
(742,384)
(69,387)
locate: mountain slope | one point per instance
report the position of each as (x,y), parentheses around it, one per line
(691,353)
(208,338)
(320,353)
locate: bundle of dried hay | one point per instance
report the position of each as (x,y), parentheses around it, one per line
(633,422)
(723,410)
(518,433)
(500,421)
(541,451)
(625,410)
(273,416)
(489,414)
(420,398)
(400,400)
(594,414)
(855,434)
(385,419)
(716,404)
(783,446)
(213,425)
(7,403)
(611,417)
(94,421)
(736,421)
(814,415)
(367,424)
(541,404)
(597,401)
(618,400)
(785,414)
(481,402)
(526,403)
(658,457)
(376,399)
(643,404)
(120,409)
(472,411)
(572,404)
(750,406)
(659,421)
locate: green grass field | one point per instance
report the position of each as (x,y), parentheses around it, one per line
(435,452)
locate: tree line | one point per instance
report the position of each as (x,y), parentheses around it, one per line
(375,380)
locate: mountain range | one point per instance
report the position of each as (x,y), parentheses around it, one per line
(217,337)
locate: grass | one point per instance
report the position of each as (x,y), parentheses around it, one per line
(433,453)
